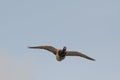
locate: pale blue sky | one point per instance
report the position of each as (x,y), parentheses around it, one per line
(88,26)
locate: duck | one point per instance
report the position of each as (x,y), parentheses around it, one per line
(62,53)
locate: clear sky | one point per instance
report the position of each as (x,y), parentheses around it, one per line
(88,26)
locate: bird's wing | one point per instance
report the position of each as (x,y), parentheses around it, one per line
(49,48)
(75,53)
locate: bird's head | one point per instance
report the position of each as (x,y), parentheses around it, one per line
(64,48)
(62,52)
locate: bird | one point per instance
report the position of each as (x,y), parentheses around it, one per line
(62,53)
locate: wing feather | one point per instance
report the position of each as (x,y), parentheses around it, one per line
(49,48)
(75,53)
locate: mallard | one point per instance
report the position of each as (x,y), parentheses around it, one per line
(62,53)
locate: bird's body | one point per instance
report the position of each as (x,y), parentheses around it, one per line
(62,53)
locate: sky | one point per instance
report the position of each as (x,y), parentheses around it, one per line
(89,26)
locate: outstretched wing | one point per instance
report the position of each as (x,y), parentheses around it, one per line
(75,53)
(49,48)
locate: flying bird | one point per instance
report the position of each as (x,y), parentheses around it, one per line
(62,53)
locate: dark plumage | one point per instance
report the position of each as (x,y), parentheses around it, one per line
(62,53)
